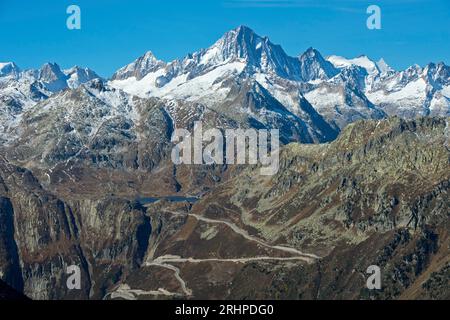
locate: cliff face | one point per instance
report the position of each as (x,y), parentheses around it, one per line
(9,255)
(114,236)
(42,235)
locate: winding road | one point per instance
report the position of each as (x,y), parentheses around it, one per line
(167,261)
(245,234)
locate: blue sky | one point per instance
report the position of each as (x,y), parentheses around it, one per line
(113,33)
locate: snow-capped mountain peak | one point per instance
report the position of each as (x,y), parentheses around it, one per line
(340,89)
(245,80)
(437,74)
(140,67)
(314,66)
(9,69)
(361,61)
(21,90)
(312,53)
(52,77)
(55,79)
(383,67)
(238,51)
(78,75)
(240,43)
(258,53)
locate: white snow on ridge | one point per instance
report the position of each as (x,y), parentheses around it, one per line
(324,99)
(383,66)
(4,64)
(446,91)
(210,55)
(440,105)
(139,88)
(278,92)
(361,61)
(8,68)
(240,57)
(180,88)
(413,92)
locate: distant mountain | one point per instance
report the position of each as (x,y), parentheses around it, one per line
(52,77)
(341,90)
(22,90)
(372,68)
(315,67)
(242,80)
(139,68)
(76,76)
(9,69)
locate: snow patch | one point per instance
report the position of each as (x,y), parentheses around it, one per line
(206,86)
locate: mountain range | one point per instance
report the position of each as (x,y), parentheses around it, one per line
(86,178)
(251,82)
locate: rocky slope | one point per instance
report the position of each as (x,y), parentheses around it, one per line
(377,195)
